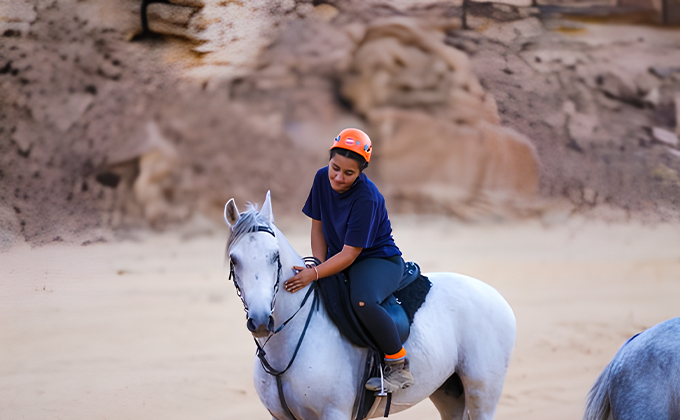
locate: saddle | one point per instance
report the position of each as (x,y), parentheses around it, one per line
(402,306)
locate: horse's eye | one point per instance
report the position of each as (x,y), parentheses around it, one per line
(275,257)
(234,262)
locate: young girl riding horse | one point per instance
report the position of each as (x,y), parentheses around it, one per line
(351,233)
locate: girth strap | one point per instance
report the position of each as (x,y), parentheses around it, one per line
(388,403)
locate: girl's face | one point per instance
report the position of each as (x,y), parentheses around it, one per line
(342,172)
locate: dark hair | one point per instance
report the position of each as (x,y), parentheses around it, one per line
(349,154)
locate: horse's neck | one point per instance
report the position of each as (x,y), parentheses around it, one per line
(281,346)
(287,303)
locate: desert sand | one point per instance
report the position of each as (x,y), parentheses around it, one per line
(150,328)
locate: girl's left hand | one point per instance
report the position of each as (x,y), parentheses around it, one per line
(299,281)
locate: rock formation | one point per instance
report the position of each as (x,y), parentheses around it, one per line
(477,109)
(440,143)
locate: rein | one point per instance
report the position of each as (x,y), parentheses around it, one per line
(262,355)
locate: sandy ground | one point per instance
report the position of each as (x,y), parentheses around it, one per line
(152,329)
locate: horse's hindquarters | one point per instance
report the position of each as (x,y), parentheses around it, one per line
(464,327)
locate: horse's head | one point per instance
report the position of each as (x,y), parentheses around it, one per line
(253,253)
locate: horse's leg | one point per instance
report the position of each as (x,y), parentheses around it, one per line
(482,393)
(485,363)
(449,399)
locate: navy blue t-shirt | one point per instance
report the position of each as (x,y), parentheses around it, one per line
(357,217)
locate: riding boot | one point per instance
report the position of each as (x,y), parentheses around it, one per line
(396,374)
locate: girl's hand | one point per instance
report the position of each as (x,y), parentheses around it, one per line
(299,281)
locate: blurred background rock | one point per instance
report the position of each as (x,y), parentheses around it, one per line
(482,111)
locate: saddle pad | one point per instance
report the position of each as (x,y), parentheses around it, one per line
(413,295)
(335,295)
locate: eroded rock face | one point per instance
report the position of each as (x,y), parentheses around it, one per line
(439,142)
(97,132)
(468,171)
(589,100)
(72,112)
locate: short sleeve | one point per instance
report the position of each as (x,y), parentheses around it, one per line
(312,206)
(362,225)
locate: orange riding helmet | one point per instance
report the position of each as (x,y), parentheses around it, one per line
(355,140)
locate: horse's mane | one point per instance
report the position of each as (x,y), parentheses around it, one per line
(246,221)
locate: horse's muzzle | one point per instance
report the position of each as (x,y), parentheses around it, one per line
(260,329)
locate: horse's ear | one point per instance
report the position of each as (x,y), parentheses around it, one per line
(266,211)
(231,213)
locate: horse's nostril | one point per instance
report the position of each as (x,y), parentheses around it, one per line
(251,325)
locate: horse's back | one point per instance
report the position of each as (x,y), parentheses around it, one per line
(643,379)
(468,304)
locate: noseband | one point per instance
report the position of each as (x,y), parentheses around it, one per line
(232,275)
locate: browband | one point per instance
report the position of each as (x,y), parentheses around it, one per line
(263,229)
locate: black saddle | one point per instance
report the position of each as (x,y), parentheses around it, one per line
(401,305)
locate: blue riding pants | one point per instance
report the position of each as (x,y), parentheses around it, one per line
(371,281)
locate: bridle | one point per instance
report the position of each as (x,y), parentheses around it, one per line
(232,275)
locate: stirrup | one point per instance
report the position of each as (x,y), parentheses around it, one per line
(383,391)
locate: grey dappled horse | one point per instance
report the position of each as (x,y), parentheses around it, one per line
(642,382)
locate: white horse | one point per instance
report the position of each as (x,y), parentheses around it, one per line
(464,327)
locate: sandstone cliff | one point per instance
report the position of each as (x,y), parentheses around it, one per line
(477,110)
